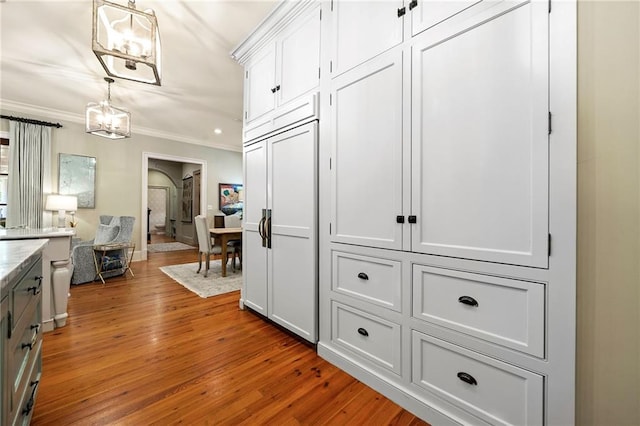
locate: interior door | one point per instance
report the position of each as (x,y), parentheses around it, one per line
(481,137)
(293,254)
(254,255)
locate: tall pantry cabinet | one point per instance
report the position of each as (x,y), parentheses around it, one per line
(280,244)
(446,211)
(447,206)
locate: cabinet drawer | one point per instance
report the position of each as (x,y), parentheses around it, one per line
(22,293)
(24,345)
(496,392)
(502,311)
(371,337)
(372,279)
(24,404)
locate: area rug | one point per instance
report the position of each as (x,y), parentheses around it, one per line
(156,248)
(212,285)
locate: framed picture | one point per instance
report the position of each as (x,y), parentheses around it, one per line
(77,176)
(187,199)
(231,198)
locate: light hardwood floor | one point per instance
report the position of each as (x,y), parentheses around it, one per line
(144,350)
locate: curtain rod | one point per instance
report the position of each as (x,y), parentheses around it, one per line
(31,121)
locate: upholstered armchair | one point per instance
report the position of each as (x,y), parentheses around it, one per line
(112,229)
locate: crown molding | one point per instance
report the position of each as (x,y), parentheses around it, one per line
(53,114)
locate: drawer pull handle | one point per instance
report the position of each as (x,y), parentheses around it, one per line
(467,378)
(363,332)
(468,300)
(363,276)
(27,409)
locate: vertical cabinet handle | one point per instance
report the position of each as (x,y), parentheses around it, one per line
(468,300)
(363,332)
(363,276)
(467,378)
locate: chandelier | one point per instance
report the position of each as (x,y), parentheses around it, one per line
(106,120)
(126,41)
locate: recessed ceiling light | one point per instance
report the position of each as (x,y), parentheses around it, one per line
(217,131)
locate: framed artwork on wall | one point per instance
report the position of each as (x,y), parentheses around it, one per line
(231,198)
(77,176)
(187,199)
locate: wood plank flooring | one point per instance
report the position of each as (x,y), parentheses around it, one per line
(144,350)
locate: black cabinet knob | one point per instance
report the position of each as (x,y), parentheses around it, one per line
(413,219)
(277,87)
(273,90)
(413,4)
(399,219)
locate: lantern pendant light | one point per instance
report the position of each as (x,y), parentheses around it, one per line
(106,120)
(126,41)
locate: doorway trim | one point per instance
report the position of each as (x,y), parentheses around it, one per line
(146,156)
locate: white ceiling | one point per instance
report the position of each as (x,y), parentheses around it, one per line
(47,68)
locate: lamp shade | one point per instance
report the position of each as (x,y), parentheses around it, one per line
(126,41)
(62,202)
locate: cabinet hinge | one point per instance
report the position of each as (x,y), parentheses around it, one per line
(321,14)
(329,228)
(246,74)
(245,115)
(330,66)
(549,122)
(329,163)
(332,5)
(330,99)
(10,326)
(549,245)
(401,12)
(318,73)
(549,6)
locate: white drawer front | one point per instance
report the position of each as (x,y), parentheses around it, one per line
(372,279)
(498,393)
(371,337)
(503,311)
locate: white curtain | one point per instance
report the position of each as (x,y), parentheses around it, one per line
(29,164)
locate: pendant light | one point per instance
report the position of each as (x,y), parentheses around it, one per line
(126,41)
(106,120)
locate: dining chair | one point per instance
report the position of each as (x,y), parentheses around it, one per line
(235,246)
(205,247)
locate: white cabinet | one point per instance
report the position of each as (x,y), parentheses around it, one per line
(447,176)
(362,30)
(367,154)
(280,235)
(479,142)
(281,78)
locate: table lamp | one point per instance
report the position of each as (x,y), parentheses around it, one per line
(62,203)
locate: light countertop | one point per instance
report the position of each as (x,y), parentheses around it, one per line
(14,256)
(24,233)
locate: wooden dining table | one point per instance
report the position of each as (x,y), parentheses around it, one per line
(224,235)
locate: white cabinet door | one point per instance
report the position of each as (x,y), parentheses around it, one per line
(366,169)
(362,30)
(254,255)
(260,85)
(480,139)
(427,13)
(293,253)
(299,58)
